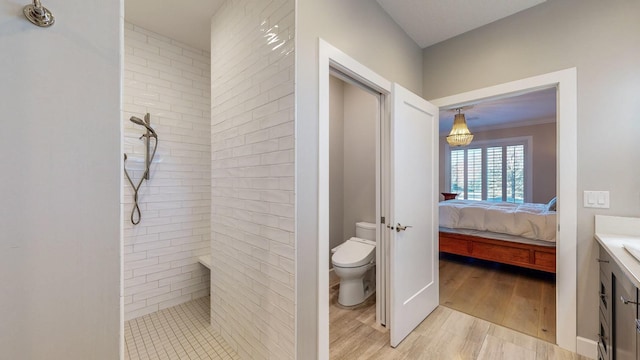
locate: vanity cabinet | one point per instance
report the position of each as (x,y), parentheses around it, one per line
(605,306)
(618,338)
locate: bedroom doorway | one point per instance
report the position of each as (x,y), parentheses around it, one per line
(563,83)
(509,279)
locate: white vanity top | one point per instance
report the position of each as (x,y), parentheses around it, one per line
(613,232)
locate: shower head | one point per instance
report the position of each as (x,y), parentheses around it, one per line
(138,121)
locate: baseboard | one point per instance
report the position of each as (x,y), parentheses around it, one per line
(587,347)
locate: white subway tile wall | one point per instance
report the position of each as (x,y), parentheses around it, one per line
(253,243)
(171,81)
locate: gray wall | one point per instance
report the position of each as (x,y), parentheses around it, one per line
(360,114)
(60,182)
(352,159)
(365,32)
(543,161)
(600,39)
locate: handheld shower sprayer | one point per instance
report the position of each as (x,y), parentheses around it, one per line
(145,123)
(149,155)
(148,135)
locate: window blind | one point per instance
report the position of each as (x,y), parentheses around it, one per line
(489,172)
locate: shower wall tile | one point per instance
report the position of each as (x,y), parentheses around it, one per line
(171,81)
(252,127)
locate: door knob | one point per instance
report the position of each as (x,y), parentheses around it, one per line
(402,228)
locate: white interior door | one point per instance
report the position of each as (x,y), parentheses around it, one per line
(414,188)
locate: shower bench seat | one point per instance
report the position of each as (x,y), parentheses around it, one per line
(205,260)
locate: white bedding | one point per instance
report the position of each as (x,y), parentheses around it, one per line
(532,221)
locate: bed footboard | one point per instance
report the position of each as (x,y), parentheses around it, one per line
(525,255)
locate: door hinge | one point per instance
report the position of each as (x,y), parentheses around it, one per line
(382,220)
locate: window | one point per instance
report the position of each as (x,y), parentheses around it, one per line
(497,170)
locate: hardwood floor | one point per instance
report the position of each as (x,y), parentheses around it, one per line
(520,299)
(445,334)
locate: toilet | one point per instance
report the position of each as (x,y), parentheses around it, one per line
(354,263)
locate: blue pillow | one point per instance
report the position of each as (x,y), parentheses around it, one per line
(551,205)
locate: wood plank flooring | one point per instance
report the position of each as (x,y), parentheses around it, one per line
(451,334)
(445,334)
(520,299)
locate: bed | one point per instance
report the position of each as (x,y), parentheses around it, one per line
(516,234)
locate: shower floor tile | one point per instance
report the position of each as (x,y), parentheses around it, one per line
(179,332)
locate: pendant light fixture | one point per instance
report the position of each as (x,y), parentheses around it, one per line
(460,134)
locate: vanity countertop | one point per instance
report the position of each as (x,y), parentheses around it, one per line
(613,232)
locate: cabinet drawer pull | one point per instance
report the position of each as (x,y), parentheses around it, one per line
(602,261)
(625,301)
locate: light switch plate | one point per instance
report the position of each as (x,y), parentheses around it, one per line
(596,199)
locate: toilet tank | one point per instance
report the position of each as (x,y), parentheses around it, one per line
(365,230)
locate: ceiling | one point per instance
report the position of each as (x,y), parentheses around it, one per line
(533,108)
(426,21)
(188,21)
(429,22)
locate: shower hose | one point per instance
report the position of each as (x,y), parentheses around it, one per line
(135,212)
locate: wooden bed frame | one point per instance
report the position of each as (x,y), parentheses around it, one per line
(525,255)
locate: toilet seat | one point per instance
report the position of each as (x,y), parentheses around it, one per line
(354,253)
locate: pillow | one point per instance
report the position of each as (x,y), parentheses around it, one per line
(551,205)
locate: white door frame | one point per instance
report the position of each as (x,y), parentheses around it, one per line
(331,57)
(567,123)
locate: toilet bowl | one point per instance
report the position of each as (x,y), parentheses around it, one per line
(354,263)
